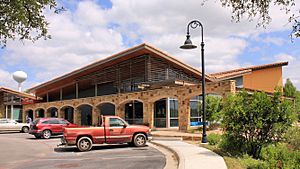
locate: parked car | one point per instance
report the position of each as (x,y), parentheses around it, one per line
(13,125)
(46,127)
(111,130)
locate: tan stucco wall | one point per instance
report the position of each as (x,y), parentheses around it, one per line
(264,79)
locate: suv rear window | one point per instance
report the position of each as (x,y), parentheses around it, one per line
(35,121)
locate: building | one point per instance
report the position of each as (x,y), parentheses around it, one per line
(143,85)
(263,77)
(11,103)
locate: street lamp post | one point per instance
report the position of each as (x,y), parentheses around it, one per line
(189,45)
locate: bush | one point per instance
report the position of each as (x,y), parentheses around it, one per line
(214,139)
(292,137)
(256,120)
(279,156)
(232,145)
(250,163)
(213,126)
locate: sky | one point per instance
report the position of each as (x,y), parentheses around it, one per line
(91,30)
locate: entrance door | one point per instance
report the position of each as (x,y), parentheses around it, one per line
(160,113)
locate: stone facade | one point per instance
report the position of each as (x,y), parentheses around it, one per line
(2,106)
(147,97)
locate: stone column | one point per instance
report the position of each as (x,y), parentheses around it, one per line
(61,113)
(121,111)
(95,116)
(184,114)
(148,114)
(77,116)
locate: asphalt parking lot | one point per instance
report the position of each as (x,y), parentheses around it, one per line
(23,151)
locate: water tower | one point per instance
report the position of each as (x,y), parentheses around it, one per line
(20,77)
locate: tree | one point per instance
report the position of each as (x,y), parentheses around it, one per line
(289,89)
(24,19)
(254,121)
(213,108)
(260,8)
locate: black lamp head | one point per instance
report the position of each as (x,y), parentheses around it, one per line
(188,43)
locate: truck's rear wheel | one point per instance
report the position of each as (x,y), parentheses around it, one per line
(84,144)
(139,140)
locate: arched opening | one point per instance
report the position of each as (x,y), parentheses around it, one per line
(86,114)
(68,113)
(52,112)
(29,114)
(134,112)
(40,113)
(107,109)
(166,113)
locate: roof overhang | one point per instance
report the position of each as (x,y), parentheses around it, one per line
(124,55)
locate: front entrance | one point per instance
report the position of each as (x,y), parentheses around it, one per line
(134,112)
(166,113)
(160,113)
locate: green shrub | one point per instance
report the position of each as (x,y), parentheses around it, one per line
(251,163)
(292,137)
(213,126)
(280,156)
(256,120)
(234,146)
(214,139)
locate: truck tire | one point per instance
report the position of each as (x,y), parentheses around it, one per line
(139,140)
(46,134)
(84,144)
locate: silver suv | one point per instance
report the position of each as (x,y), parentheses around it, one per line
(12,125)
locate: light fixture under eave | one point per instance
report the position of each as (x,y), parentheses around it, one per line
(188,44)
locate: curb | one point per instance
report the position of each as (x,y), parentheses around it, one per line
(180,160)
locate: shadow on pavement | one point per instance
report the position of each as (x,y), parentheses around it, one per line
(9,132)
(51,138)
(97,147)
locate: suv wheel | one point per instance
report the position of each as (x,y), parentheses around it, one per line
(46,134)
(25,129)
(84,144)
(139,140)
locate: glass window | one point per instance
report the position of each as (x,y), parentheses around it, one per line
(62,122)
(196,111)
(3,121)
(54,122)
(114,122)
(173,104)
(46,122)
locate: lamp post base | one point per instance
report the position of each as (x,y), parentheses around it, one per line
(204,139)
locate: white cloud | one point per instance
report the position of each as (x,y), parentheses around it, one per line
(84,35)
(292,70)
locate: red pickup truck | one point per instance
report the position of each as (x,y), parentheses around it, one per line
(111,130)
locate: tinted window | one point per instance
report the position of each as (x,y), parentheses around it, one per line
(113,122)
(3,121)
(62,122)
(54,122)
(46,122)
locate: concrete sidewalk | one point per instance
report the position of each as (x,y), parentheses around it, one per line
(192,156)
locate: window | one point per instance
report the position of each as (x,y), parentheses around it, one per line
(173,112)
(54,122)
(196,111)
(46,122)
(114,122)
(3,121)
(62,122)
